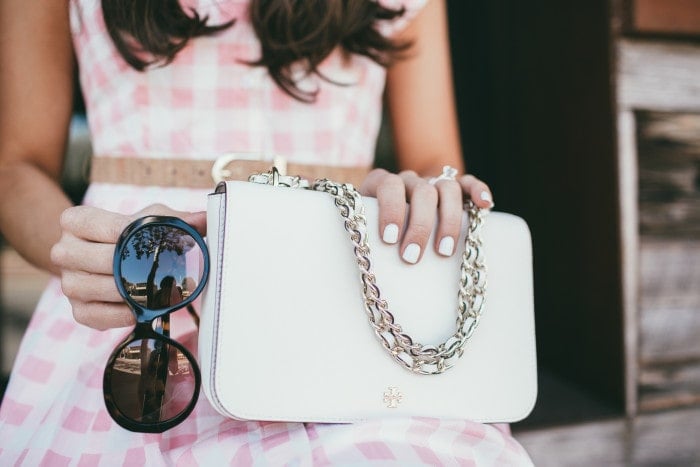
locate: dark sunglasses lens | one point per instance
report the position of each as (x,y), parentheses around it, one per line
(151,381)
(161,266)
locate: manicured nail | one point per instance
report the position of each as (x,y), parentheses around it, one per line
(411,253)
(391,233)
(446,246)
(486,196)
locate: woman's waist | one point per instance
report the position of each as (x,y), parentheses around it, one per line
(172,172)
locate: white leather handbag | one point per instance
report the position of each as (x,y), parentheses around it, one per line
(308,316)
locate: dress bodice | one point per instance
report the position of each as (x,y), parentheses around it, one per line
(208,101)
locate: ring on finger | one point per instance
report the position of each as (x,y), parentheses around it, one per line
(448,173)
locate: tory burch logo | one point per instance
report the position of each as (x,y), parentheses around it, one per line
(392,397)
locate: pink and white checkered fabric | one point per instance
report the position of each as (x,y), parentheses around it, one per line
(204,104)
(209,102)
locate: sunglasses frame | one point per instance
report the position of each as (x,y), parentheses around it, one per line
(144,324)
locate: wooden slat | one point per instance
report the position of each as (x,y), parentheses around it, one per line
(629,258)
(678,218)
(669,173)
(669,385)
(669,274)
(670,17)
(658,75)
(666,438)
(571,446)
(669,305)
(680,130)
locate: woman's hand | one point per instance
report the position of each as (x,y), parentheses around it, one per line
(443,199)
(85,253)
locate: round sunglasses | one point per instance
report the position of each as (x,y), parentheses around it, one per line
(151,382)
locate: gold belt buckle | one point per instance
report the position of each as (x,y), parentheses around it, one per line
(219,172)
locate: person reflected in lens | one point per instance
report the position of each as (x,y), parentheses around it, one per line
(168,294)
(158,360)
(126,375)
(153,379)
(155,360)
(188,286)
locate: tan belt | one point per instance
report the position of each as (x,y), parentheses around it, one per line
(189,173)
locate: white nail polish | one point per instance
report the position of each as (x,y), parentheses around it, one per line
(411,253)
(391,233)
(446,246)
(486,196)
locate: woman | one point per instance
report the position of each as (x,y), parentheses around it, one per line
(299,79)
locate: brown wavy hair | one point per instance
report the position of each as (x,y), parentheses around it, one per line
(151,33)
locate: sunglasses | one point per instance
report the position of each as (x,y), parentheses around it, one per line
(151,382)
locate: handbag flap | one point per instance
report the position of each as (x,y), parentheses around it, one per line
(285,335)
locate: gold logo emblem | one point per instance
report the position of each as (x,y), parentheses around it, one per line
(392,397)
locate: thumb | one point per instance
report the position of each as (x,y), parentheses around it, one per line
(198,220)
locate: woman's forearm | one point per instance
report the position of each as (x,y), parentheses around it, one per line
(420,97)
(31,204)
(36,101)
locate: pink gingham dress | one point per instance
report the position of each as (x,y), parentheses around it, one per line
(204,104)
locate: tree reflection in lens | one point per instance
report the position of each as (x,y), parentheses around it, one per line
(160,266)
(151,381)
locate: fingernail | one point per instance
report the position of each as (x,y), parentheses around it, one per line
(486,196)
(391,233)
(411,253)
(447,245)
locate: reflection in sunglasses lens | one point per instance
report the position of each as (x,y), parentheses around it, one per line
(151,381)
(161,266)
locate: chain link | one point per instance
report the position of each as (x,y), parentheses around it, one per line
(414,356)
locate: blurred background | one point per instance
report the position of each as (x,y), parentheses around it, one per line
(584,117)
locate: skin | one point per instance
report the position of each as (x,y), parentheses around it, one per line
(77,243)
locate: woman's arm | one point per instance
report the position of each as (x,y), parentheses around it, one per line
(36,217)
(36,80)
(420,97)
(424,120)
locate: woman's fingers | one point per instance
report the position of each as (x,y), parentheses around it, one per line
(390,191)
(477,190)
(445,197)
(450,216)
(423,198)
(198,220)
(85,255)
(391,196)
(93,224)
(102,315)
(88,287)
(75,254)
(97,225)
